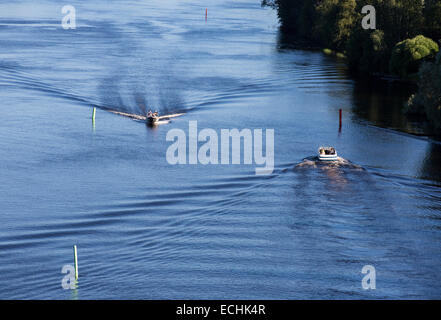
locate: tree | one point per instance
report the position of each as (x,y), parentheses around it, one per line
(428,97)
(432,17)
(335,21)
(367,50)
(407,55)
(336,24)
(346,17)
(288,13)
(306,23)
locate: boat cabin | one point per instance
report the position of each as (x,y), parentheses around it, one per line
(327,154)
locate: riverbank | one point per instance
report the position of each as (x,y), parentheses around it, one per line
(394,48)
(370,87)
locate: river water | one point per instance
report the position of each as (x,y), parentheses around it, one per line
(146,229)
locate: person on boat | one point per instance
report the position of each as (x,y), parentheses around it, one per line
(155,114)
(149,114)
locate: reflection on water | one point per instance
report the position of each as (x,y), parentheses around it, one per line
(431,166)
(146,229)
(381,103)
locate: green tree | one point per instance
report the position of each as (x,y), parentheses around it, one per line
(344,24)
(336,24)
(400,19)
(407,55)
(335,21)
(428,97)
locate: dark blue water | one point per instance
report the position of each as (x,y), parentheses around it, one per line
(146,229)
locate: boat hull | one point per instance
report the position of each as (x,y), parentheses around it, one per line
(152,120)
(328,157)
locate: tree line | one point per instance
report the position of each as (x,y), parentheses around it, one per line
(404,43)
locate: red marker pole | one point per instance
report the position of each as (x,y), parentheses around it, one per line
(206,13)
(340,112)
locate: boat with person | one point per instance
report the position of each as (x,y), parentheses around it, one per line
(327,154)
(327,159)
(153,118)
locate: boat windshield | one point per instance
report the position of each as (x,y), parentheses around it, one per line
(327,151)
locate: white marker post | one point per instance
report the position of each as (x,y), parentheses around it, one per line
(76,262)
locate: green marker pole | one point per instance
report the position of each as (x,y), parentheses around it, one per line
(93,114)
(75,261)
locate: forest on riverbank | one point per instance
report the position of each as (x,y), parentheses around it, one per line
(404,43)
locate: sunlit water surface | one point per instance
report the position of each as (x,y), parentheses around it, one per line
(146,229)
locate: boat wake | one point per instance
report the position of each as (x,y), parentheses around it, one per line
(315,162)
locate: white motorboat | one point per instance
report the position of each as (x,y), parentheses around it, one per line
(327,154)
(155,119)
